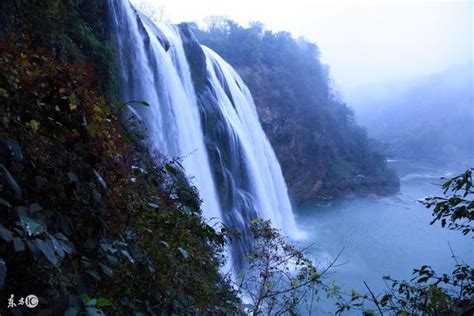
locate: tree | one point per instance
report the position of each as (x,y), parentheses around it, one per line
(279,277)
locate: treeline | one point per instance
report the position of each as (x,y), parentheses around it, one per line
(321,149)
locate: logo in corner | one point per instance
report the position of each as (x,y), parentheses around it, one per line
(31,301)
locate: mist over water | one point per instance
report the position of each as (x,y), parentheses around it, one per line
(430,118)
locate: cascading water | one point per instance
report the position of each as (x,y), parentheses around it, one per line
(161,78)
(245,165)
(205,115)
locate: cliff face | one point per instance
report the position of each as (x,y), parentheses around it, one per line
(322,151)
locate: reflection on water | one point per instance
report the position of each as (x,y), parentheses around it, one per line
(382,235)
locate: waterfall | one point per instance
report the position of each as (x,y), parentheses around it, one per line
(161,78)
(205,114)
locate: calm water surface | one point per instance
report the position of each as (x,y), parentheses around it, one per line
(381,235)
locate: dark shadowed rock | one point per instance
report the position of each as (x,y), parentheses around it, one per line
(195,56)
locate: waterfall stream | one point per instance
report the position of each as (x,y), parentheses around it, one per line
(213,128)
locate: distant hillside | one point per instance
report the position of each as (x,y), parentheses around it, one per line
(431,119)
(321,149)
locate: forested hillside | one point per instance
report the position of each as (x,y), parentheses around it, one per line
(322,150)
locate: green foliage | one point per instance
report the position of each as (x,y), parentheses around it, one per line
(75,31)
(456,208)
(92,223)
(427,293)
(314,134)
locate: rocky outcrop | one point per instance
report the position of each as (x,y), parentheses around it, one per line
(195,56)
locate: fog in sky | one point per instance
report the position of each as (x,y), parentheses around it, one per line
(364,42)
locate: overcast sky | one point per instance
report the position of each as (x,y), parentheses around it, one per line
(362,41)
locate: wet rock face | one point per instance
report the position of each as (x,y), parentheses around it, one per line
(195,56)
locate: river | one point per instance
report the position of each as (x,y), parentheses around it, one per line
(382,235)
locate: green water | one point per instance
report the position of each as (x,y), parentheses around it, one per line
(381,235)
